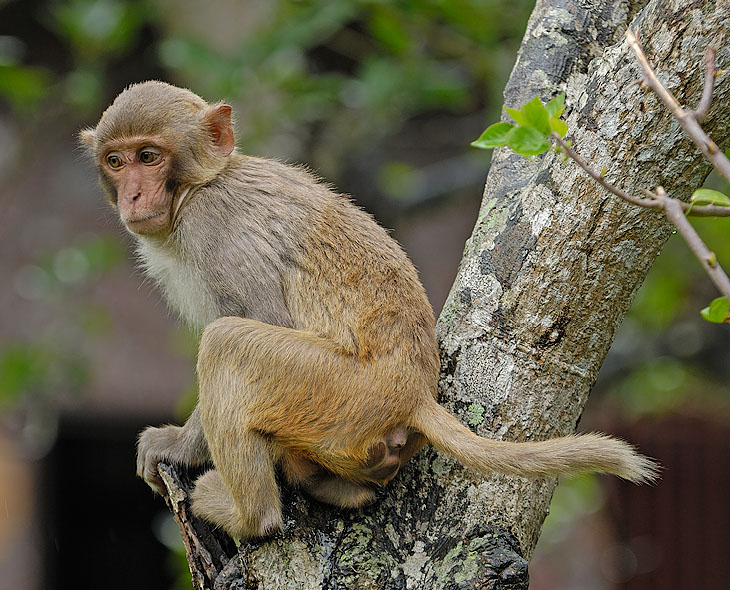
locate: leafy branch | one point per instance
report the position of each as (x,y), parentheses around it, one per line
(538,126)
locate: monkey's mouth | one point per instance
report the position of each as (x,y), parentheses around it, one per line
(148,218)
(139,224)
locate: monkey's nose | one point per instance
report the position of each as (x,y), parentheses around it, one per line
(137,196)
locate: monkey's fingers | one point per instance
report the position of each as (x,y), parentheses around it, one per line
(148,472)
(153,446)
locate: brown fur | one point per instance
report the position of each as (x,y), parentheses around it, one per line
(318,353)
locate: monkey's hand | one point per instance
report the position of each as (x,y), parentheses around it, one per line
(153,446)
(184,445)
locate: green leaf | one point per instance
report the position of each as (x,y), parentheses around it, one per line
(718,311)
(559,126)
(22,86)
(707,196)
(494,136)
(536,116)
(527,141)
(556,106)
(516,115)
(21,370)
(398,180)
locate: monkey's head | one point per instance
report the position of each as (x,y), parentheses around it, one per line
(153,144)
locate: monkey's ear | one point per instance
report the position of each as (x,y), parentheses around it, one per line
(87,137)
(218,120)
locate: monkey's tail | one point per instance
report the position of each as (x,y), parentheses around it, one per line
(565,455)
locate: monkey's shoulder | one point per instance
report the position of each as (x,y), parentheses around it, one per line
(277,179)
(285,198)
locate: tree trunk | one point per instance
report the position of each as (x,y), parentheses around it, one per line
(546,278)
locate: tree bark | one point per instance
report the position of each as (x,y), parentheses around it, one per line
(546,278)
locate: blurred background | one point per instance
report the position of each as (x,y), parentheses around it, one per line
(382,99)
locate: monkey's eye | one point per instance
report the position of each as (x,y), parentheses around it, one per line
(147,156)
(114,161)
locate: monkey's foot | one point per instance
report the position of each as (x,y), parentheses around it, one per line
(212,501)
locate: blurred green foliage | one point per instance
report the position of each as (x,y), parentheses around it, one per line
(667,291)
(574,498)
(98,32)
(362,68)
(23,87)
(54,363)
(99,28)
(380,62)
(680,361)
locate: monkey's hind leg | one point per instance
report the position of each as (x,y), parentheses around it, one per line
(241,495)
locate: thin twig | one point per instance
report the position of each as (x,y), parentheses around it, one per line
(649,203)
(600,179)
(686,119)
(710,72)
(707,258)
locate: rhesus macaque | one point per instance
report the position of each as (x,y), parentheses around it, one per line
(318,352)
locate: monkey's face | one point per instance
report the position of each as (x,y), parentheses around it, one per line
(152,146)
(136,172)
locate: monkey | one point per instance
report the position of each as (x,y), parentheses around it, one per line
(318,355)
